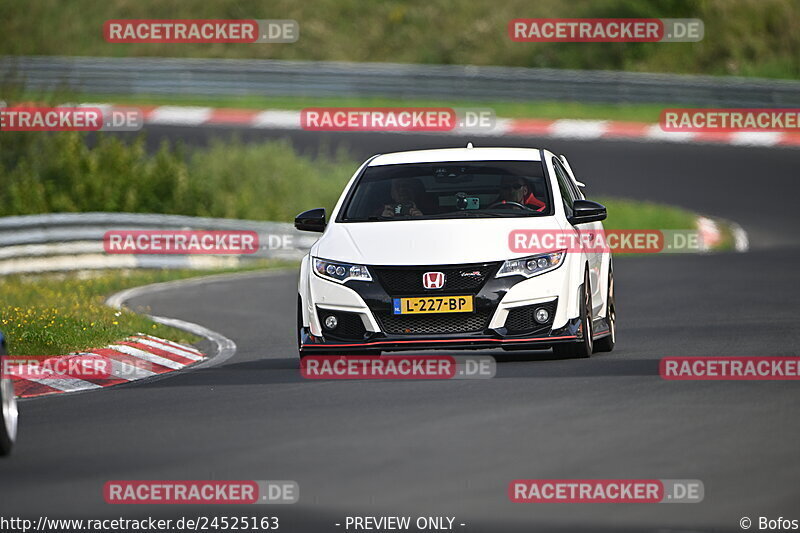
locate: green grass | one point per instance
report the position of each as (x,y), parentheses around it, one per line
(527,109)
(635,214)
(742,37)
(55,314)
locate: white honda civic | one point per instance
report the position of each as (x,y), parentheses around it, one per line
(422,252)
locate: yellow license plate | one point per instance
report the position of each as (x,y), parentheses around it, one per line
(432,304)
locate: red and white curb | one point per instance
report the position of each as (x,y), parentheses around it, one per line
(564,128)
(137,357)
(711,235)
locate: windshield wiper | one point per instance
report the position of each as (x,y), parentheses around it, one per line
(449,214)
(370,219)
(466,214)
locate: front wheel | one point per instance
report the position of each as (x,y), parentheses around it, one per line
(606,344)
(584,347)
(8,413)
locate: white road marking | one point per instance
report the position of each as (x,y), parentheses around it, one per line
(128,371)
(277,119)
(67,384)
(147,356)
(579,129)
(173,344)
(64,384)
(183,115)
(655,132)
(756,138)
(172,349)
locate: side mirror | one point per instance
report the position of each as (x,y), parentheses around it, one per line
(311,220)
(584,211)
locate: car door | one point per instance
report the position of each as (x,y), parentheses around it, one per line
(570,193)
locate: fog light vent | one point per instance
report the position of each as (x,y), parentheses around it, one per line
(331,322)
(542,315)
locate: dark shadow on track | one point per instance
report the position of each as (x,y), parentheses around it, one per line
(287,370)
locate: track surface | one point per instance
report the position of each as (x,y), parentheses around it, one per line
(451,448)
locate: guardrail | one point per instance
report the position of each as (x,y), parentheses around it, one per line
(74,241)
(231,77)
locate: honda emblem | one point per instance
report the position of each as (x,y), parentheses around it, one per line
(433,280)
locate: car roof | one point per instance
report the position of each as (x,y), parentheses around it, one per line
(457,154)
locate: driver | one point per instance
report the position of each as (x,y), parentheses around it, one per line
(405,194)
(515,189)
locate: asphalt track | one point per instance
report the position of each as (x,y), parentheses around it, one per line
(451,448)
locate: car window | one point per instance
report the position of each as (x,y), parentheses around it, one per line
(577,194)
(564,185)
(449,190)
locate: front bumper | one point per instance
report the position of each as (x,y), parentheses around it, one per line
(316,344)
(503,307)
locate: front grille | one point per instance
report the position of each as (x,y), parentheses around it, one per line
(408,280)
(350,326)
(520,320)
(434,323)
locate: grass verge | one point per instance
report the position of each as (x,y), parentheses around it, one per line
(506,109)
(636,214)
(55,314)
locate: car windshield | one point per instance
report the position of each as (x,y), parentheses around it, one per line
(450,190)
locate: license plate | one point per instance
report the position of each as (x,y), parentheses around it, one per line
(432,304)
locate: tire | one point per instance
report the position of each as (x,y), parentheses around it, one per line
(298,330)
(606,344)
(583,348)
(8,413)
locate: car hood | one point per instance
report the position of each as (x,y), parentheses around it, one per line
(425,242)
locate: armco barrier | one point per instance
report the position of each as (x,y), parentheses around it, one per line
(230,77)
(74,241)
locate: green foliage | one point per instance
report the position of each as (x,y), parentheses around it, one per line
(61,172)
(742,37)
(267,181)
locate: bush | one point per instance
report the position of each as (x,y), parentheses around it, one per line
(60,172)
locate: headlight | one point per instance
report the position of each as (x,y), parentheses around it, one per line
(532,266)
(340,272)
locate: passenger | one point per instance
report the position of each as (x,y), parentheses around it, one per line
(406,194)
(516,190)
